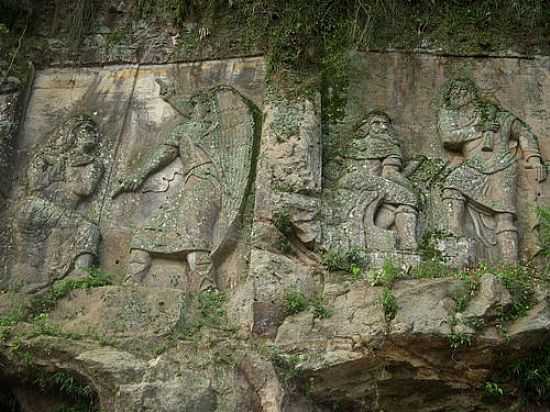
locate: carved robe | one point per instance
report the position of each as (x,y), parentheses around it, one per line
(187,222)
(488,175)
(216,156)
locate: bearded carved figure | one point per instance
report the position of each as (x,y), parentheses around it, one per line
(375,198)
(486,145)
(58,237)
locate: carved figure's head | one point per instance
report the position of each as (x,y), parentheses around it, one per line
(167,89)
(376,123)
(79,132)
(459,93)
(86,134)
(200,103)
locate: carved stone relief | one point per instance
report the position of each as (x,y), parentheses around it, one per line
(471,169)
(373,206)
(55,238)
(214,141)
(486,145)
(178,138)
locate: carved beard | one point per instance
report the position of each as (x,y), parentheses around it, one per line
(390,136)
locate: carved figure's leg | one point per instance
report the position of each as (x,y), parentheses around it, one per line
(507,238)
(139,264)
(385,216)
(81,265)
(405,225)
(202,270)
(453,202)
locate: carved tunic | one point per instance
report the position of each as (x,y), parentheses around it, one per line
(367,157)
(489,171)
(216,154)
(187,222)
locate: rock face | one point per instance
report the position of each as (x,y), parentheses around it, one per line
(182,237)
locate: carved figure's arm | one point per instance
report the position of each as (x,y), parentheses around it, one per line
(529,145)
(162,156)
(453,136)
(89,182)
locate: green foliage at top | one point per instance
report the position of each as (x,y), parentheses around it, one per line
(389,303)
(385,276)
(519,282)
(45,302)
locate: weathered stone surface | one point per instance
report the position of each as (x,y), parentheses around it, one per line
(120,311)
(408,88)
(274,275)
(358,355)
(169,383)
(491,299)
(424,307)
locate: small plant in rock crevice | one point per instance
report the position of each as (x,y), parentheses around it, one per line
(351,261)
(297,302)
(283,223)
(493,390)
(46,301)
(206,310)
(286,365)
(389,303)
(458,340)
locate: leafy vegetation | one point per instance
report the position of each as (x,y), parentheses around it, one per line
(297,302)
(389,303)
(458,340)
(45,302)
(493,390)
(351,261)
(281,220)
(285,365)
(80,395)
(532,374)
(385,276)
(320,311)
(206,310)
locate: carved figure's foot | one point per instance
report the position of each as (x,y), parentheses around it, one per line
(508,247)
(207,284)
(82,266)
(138,266)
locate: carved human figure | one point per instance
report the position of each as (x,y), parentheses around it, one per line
(62,175)
(213,141)
(384,198)
(486,144)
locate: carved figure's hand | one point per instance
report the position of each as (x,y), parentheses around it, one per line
(536,163)
(128,184)
(492,126)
